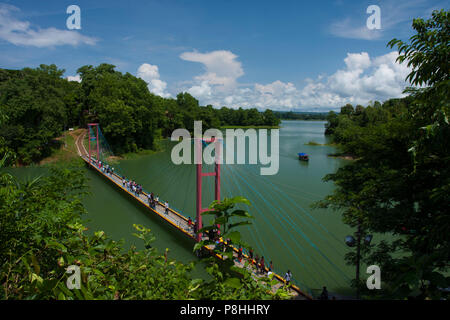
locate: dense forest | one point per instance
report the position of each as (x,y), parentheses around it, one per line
(39,104)
(290,115)
(399,184)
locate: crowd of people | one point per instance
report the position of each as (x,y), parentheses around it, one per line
(137,190)
(132,186)
(105,168)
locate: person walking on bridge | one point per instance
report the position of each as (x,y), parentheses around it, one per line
(149,199)
(166,206)
(240,254)
(262,265)
(324,294)
(189,223)
(288,277)
(256,261)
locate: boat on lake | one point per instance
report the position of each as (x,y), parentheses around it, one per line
(303,157)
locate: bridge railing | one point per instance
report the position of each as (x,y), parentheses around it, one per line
(302,288)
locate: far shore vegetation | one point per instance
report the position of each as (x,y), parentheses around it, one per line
(310,116)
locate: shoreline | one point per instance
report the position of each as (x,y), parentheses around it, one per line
(343,156)
(250,127)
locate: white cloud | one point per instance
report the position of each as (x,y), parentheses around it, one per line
(201,91)
(357,60)
(20,32)
(222,68)
(150,74)
(361,80)
(76,78)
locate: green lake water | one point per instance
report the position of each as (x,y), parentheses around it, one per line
(285,229)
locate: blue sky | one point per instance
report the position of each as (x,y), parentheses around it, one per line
(298,55)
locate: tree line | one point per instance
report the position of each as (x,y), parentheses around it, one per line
(291,115)
(39,104)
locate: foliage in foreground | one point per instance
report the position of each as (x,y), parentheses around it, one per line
(41,234)
(225,216)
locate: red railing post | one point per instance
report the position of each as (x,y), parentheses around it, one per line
(90,125)
(89,139)
(198,150)
(200,175)
(217,156)
(98,147)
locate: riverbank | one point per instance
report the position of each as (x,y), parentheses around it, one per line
(304,119)
(68,150)
(343,156)
(250,127)
(338,155)
(314,143)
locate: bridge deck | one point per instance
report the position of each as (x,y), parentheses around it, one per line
(180,222)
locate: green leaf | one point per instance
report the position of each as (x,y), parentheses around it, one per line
(241,213)
(233,283)
(57,245)
(240,199)
(235,236)
(220,220)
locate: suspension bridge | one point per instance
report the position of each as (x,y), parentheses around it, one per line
(96,156)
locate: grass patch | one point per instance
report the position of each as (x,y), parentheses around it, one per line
(65,151)
(313,143)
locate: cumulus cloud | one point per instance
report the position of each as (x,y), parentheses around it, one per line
(361,80)
(76,78)
(22,33)
(150,74)
(221,68)
(201,91)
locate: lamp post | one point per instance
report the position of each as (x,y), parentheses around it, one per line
(351,242)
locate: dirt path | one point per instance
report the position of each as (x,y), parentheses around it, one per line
(79,135)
